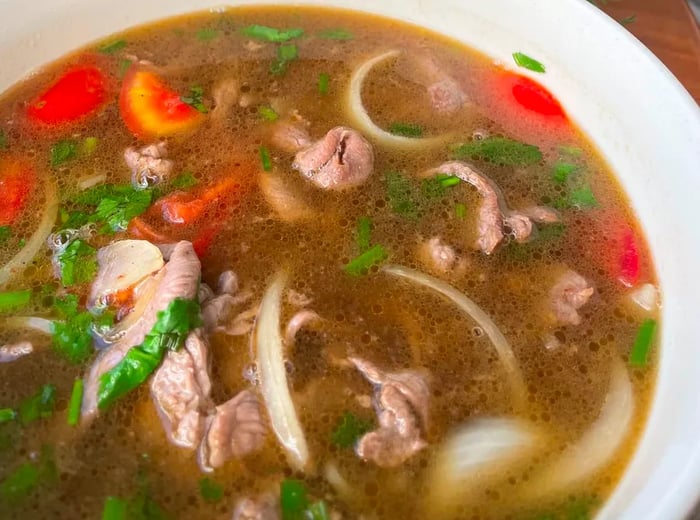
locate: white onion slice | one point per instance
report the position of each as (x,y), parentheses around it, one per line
(284,199)
(646,297)
(361,120)
(503,348)
(597,445)
(28,322)
(85,183)
(273,375)
(21,260)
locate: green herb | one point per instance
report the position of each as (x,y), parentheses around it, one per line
(293,499)
(573,151)
(76,398)
(210,490)
(38,406)
(436,187)
(22,242)
(270,34)
(89,145)
(195,99)
(7,414)
(63,151)
(71,337)
(28,476)
(112,47)
(285,54)
(114,509)
(116,205)
(460,210)
(448,181)
(183,181)
(3,140)
(583,198)
(336,34)
(207,34)
(268,113)
(318,511)
(399,192)
(499,150)
(14,299)
(123,67)
(406,129)
(364,231)
(562,170)
(361,264)
(265,159)
(628,20)
(550,232)
(525,61)
(323,83)
(639,356)
(77,263)
(349,430)
(5,233)
(169,333)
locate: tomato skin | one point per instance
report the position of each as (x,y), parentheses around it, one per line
(629,265)
(151,109)
(79,92)
(17,180)
(534,97)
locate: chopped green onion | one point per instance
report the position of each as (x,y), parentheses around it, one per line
(447,181)
(25,478)
(583,198)
(207,34)
(323,83)
(361,264)
(7,414)
(406,129)
(76,399)
(364,231)
(270,34)
(63,151)
(639,356)
(460,210)
(112,47)
(285,54)
(562,170)
(349,430)
(14,299)
(499,150)
(293,499)
(5,233)
(89,145)
(195,99)
(38,406)
(77,263)
(525,61)
(210,490)
(336,34)
(268,113)
(114,509)
(184,180)
(265,159)
(400,195)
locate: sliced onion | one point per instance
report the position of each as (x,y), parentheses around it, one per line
(474,454)
(287,202)
(503,348)
(91,180)
(646,297)
(297,322)
(21,260)
(361,120)
(28,322)
(273,375)
(597,446)
(339,484)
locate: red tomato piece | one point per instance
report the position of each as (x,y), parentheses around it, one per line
(533,96)
(629,259)
(17,181)
(80,91)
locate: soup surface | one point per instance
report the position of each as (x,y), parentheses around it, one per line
(403,284)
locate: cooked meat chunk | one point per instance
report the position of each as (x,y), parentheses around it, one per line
(341,159)
(297,322)
(287,200)
(179,278)
(180,390)
(235,429)
(446,96)
(216,310)
(228,283)
(290,136)
(264,508)
(225,94)
(148,165)
(441,257)
(401,402)
(570,293)
(15,351)
(494,214)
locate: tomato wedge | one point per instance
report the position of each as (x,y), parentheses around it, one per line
(151,109)
(17,181)
(79,92)
(534,97)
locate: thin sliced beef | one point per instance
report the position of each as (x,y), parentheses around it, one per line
(235,429)
(265,507)
(179,278)
(571,292)
(441,257)
(495,217)
(297,322)
(180,390)
(446,95)
(339,160)
(401,401)
(14,351)
(290,136)
(148,165)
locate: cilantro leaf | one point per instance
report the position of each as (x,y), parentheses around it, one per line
(210,490)
(525,61)
(112,47)
(28,476)
(499,150)
(364,231)
(63,151)
(349,430)
(13,299)
(77,263)
(583,198)
(399,192)
(562,170)
(195,99)
(38,406)
(285,54)
(268,113)
(184,181)
(117,205)
(72,337)
(270,34)
(406,129)
(7,414)
(5,233)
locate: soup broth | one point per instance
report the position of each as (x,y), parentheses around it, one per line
(404,401)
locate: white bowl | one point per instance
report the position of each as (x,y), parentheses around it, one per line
(643,121)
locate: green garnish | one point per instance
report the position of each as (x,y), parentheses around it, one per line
(406,129)
(76,398)
(184,180)
(38,406)
(72,337)
(582,198)
(448,181)
(268,113)
(207,34)
(499,150)
(265,159)
(336,34)
(112,47)
(349,430)
(399,192)
(195,99)
(5,233)
(270,34)
(210,490)
(114,509)
(361,264)
(364,231)
(3,140)
(323,83)
(573,151)
(169,333)
(285,54)
(123,67)
(562,170)
(639,356)
(22,242)
(116,205)
(295,504)
(63,151)
(28,476)
(525,61)
(460,210)
(77,263)
(318,511)
(14,299)
(436,187)
(89,145)
(7,414)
